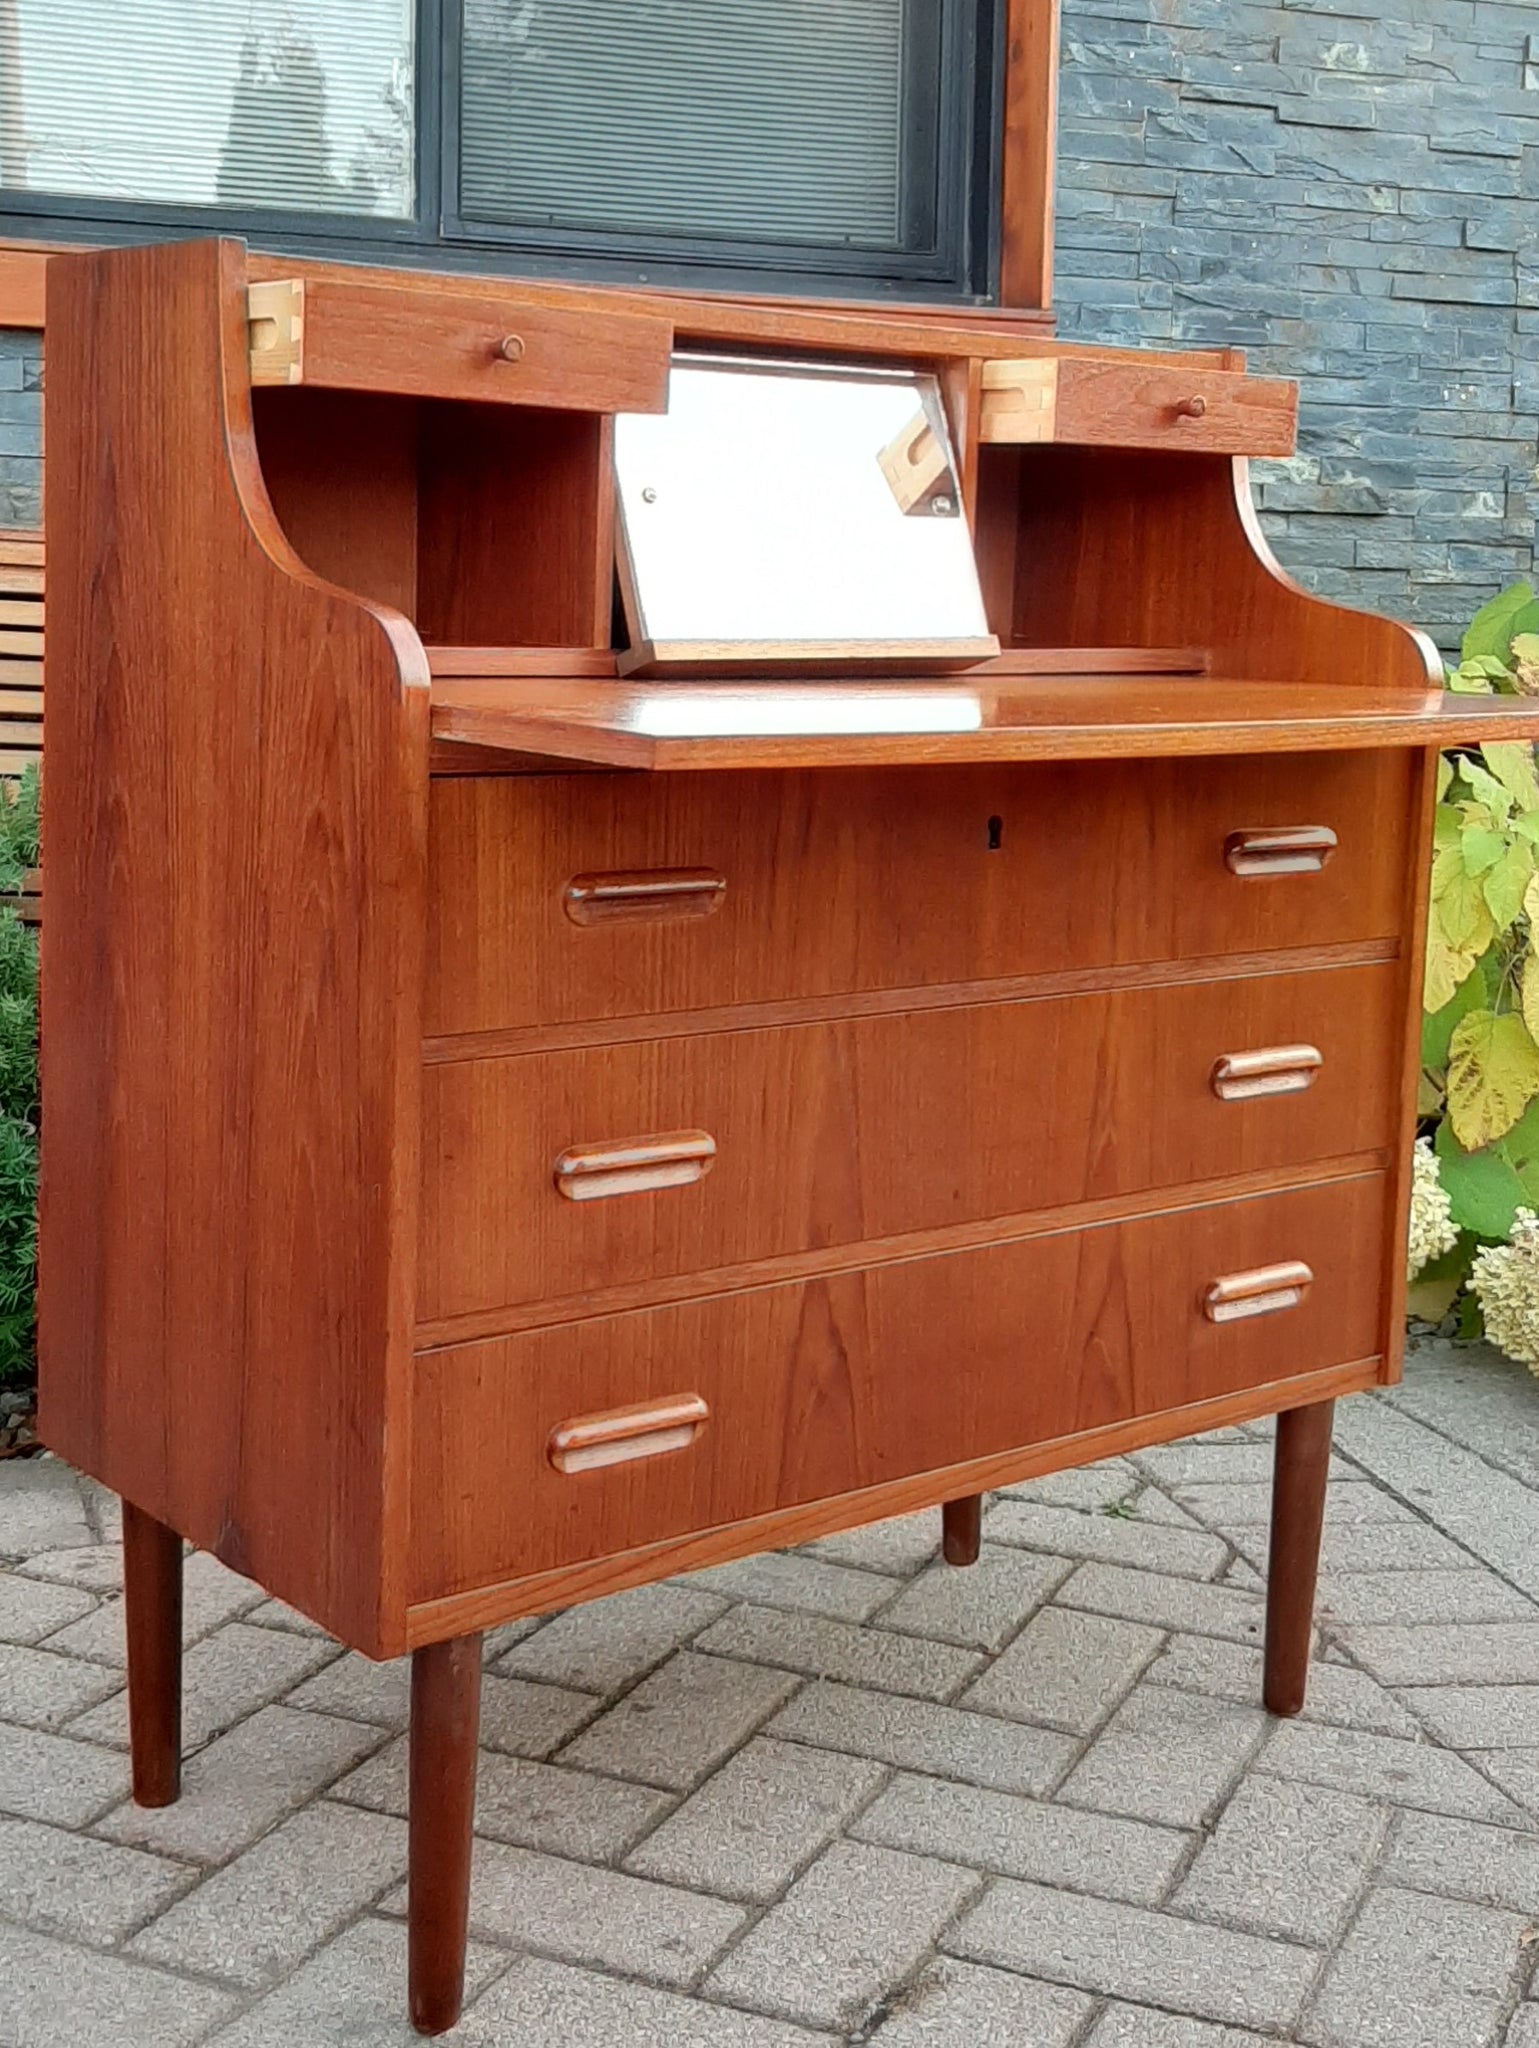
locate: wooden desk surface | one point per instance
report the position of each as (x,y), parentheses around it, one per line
(680,726)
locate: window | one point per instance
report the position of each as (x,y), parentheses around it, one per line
(824,145)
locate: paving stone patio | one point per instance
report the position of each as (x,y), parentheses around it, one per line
(844,1794)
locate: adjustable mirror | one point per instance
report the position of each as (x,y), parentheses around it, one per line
(795,515)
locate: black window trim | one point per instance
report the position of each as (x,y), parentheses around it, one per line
(962,268)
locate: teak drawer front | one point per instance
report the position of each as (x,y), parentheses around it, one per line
(769,1142)
(813,884)
(454,345)
(1138,405)
(818,1388)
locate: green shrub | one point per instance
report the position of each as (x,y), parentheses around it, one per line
(19,807)
(1479,1098)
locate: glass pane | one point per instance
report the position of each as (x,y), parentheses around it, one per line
(264,103)
(772,120)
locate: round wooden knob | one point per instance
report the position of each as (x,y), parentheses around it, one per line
(510,348)
(1191,408)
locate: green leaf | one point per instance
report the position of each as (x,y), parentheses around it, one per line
(1493,626)
(1512,763)
(1520,1148)
(1483,848)
(1445,775)
(1505,883)
(1484,1191)
(1468,681)
(1493,1074)
(1437,1030)
(1447,827)
(1487,789)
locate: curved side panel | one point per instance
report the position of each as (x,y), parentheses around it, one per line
(1128,549)
(237,795)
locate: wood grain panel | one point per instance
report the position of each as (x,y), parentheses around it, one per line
(341,471)
(840,881)
(828,1134)
(231,966)
(821,1388)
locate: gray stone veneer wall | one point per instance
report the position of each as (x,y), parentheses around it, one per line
(1352,198)
(1352,195)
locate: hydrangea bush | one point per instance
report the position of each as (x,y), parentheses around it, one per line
(1476,1171)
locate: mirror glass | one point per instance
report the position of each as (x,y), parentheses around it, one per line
(795,514)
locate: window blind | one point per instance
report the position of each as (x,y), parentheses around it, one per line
(261,103)
(788,121)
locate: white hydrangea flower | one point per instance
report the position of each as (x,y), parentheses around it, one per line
(1432,1224)
(1506,1280)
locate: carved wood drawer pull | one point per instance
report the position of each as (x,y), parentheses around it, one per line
(1272,1070)
(1263,1291)
(646,1430)
(1192,408)
(634,1166)
(1285,850)
(648,893)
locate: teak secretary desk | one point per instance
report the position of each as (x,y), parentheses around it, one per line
(952,1105)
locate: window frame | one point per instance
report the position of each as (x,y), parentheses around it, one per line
(964,268)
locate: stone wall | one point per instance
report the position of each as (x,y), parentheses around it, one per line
(1355,200)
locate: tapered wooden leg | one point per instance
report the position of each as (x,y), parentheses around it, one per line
(962,1529)
(152,1610)
(1298,1514)
(445,1720)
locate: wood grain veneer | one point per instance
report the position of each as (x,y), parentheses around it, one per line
(822,1387)
(839,881)
(825,1134)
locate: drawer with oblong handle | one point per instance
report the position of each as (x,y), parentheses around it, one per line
(557,900)
(600,1435)
(550,1175)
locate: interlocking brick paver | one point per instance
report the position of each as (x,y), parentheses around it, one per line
(235,1789)
(1166,1756)
(899,1546)
(1380,1767)
(517,1715)
(581,1914)
(42,1690)
(349,1995)
(1524,2031)
(838,1649)
(1092,1852)
(1064,1670)
(1465,1860)
(1082,1486)
(981,1606)
(1134,1954)
(1110,1539)
(681,1721)
(1136,2026)
(606,1645)
(211,1594)
(1363,1546)
(1337,1693)
(1392,1597)
(1165,1602)
(535,1805)
(807,1585)
(31,1609)
(1418,1972)
(541,2004)
(1285,1859)
(972,2007)
(359,1690)
(41,1508)
(751,1827)
(261,1914)
(70,1885)
(60,1996)
(55,1778)
(1478,1653)
(1478,1716)
(846,1934)
(93,1567)
(1246,1506)
(918,1735)
(1516,1771)
(225,1677)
